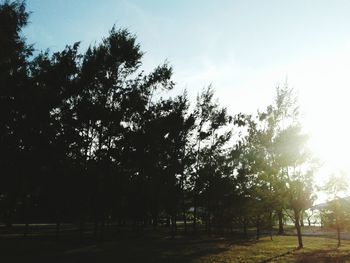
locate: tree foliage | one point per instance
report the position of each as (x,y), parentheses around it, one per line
(90,137)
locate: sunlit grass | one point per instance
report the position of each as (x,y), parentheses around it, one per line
(283,249)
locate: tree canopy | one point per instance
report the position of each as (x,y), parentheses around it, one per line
(84,138)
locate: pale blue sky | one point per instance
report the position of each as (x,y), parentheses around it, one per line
(203,40)
(244,48)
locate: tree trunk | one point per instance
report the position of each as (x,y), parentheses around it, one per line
(207,221)
(8,217)
(258,228)
(96,228)
(270,224)
(173,226)
(298,228)
(245,228)
(280,222)
(102,229)
(155,220)
(26,228)
(209,224)
(195,215)
(184,212)
(338,233)
(81,229)
(58,228)
(26,217)
(185,220)
(183,178)
(302,218)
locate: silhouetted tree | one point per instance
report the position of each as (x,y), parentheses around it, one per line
(92,138)
(14,102)
(208,145)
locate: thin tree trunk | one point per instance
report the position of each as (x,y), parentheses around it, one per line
(8,213)
(195,197)
(183,178)
(96,228)
(195,215)
(81,229)
(58,228)
(209,223)
(270,225)
(185,219)
(102,229)
(155,220)
(168,222)
(173,226)
(98,199)
(258,228)
(298,228)
(302,218)
(338,234)
(280,222)
(58,223)
(26,229)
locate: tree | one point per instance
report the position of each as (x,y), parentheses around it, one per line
(14,54)
(282,164)
(295,164)
(90,137)
(207,144)
(55,141)
(336,187)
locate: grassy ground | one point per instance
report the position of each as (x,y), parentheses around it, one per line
(283,249)
(159,247)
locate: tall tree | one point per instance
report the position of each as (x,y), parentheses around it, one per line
(293,159)
(14,54)
(208,145)
(336,187)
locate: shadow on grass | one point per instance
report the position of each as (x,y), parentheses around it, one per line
(278,256)
(122,248)
(148,246)
(323,256)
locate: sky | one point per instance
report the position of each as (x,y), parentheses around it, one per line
(244,48)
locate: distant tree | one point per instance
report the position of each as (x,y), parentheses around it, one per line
(309,214)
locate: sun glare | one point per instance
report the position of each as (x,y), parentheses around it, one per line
(326,123)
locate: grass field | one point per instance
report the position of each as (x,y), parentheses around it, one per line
(159,247)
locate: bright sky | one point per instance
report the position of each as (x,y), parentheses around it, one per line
(244,48)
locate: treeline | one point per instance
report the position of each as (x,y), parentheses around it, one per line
(92,138)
